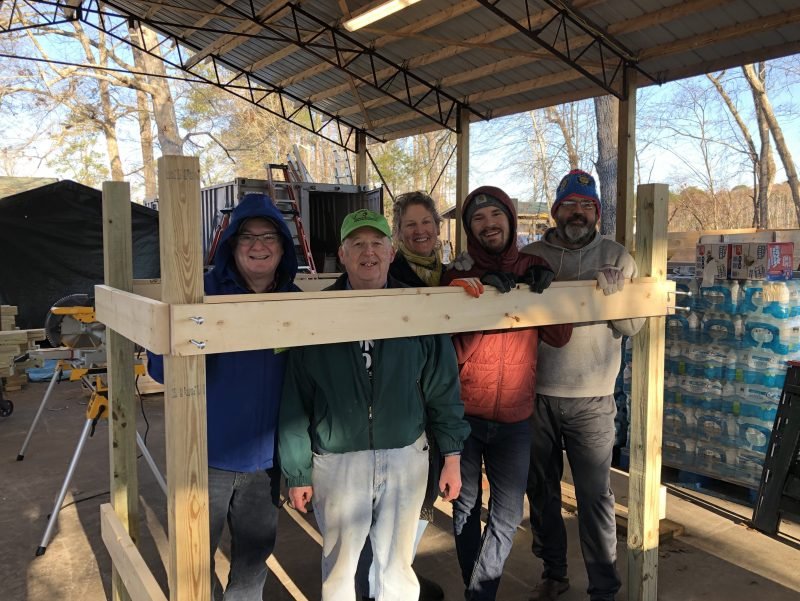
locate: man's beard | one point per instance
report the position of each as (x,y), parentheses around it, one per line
(576,231)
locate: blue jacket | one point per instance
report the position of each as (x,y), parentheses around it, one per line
(243,389)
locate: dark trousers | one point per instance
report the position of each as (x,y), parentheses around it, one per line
(248,502)
(504,450)
(585,428)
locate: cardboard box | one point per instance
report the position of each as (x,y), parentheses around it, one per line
(762,261)
(721,253)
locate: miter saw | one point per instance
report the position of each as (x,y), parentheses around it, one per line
(71,323)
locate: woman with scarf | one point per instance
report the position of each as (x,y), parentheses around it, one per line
(418,264)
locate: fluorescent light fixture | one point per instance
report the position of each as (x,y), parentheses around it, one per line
(376,13)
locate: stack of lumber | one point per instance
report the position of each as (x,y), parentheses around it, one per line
(8,315)
(14,343)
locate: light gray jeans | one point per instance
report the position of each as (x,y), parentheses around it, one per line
(376,493)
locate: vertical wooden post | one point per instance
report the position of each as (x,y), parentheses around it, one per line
(647,402)
(118,272)
(184,384)
(361,158)
(462,175)
(626,156)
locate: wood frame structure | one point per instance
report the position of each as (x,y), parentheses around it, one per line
(164,325)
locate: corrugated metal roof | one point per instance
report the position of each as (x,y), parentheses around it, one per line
(408,72)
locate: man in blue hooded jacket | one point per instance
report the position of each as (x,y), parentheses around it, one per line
(243,390)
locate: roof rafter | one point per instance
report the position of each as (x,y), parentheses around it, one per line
(555,36)
(431,21)
(362,63)
(633,24)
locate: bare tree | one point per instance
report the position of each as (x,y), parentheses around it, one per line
(765,107)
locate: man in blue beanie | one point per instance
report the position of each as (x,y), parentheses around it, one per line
(575,405)
(243,392)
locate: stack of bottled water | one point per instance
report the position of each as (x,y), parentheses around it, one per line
(725,364)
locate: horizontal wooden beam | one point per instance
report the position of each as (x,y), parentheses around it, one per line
(139,581)
(141,319)
(249,322)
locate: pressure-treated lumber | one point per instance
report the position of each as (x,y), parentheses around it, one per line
(184,385)
(128,562)
(138,318)
(251,321)
(118,270)
(647,402)
(151,288)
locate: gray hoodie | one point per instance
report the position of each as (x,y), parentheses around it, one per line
(588,364)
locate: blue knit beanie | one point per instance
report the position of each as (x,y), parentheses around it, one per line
(576,184)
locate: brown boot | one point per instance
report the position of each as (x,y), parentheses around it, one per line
(549,589)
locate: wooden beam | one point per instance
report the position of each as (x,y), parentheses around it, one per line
(626,157)
(431,21)
(138,318)
(118,270)
(184,384)
(462,175)
(128,562)
(296,319)
(647,402)
(361,158)
(238,36)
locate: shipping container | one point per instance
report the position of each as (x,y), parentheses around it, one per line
(322,209)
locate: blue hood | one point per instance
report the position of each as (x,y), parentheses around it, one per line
(255,205)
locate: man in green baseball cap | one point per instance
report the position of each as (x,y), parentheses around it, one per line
(366,251)
(352,432)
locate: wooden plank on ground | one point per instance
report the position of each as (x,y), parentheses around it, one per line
(295,319)
(667,529)
(131,567)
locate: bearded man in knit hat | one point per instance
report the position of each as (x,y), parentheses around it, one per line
(575,406)
(497,370)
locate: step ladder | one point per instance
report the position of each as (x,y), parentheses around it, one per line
(282,193)
(779,492)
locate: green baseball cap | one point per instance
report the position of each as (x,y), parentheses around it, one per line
(365,218)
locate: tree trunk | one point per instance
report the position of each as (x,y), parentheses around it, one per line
(751,148)
(606,109)
(163,105)
(569,144)
(108,122)
(145,128)
(777,134)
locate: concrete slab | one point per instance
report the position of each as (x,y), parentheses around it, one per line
(718,558)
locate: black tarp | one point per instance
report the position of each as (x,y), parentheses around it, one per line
(51,245)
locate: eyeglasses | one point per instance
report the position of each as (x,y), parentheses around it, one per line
(268,238)
(571,205)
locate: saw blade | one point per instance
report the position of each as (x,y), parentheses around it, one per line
(66,330)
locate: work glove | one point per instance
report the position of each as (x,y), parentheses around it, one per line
(471,286)
(504,282)
(463,262)
(610,279)
(537,277)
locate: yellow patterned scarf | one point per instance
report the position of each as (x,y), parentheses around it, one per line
(429,269)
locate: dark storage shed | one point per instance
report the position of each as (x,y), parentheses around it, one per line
(51,245)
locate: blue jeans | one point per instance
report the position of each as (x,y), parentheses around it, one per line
(586,428)
(505,451)
(377,493)
(248,501)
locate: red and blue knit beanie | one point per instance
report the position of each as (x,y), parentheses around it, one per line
(579,185)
